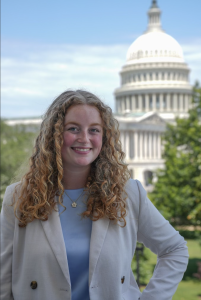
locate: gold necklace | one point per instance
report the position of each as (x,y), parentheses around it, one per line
(74,203)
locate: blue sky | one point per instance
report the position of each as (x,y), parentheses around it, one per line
(51,46)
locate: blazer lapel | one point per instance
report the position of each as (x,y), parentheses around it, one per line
(53,232)
(98,233)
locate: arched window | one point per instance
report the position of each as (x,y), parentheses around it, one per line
(148,176)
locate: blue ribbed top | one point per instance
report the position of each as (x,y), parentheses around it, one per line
(77,234)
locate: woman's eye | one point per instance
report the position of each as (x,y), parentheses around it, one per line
(73,129)
(95,130)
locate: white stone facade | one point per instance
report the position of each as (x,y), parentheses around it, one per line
(154,90)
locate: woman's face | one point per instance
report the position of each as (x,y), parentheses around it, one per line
(83,133)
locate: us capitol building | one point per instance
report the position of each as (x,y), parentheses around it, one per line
(154,90)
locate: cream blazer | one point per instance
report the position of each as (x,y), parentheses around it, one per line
(34,264)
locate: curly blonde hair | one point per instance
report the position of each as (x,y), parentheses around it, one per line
(108,176)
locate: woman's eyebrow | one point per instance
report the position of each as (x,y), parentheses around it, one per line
(75,123)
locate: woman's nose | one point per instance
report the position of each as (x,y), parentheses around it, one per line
(83,137)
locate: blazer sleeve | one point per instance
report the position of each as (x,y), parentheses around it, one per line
(160,237)
(6,251)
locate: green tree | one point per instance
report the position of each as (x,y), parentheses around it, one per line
(16,147)
(177,192)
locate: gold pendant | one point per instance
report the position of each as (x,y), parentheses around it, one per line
(74,204)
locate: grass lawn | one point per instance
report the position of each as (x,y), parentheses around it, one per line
(188,289)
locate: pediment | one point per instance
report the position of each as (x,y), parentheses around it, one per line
(153,119)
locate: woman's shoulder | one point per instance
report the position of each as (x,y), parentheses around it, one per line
(135,186)
(8,196)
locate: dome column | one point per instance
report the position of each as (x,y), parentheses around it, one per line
(181,103)
(154,102)
(140,102)
(146,102)
(127,102)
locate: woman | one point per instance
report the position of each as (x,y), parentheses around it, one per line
(70,227)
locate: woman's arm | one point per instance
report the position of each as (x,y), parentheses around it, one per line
(172,254)
(6,250)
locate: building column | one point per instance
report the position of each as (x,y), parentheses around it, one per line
(133,102)
(122,139)
(154,145)
(146,102)
(145,145)
(189,102)
(181,102)
(161,102)
(136,145)
(175,102)
(127,102)
(159,146)
(154,102)
(122,104)
(186,102)
(150,146)
(127,145)
(140,102)
(168,102)
(141,145)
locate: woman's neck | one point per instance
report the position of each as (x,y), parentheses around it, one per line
(75,179)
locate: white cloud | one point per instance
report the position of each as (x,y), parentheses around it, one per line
(33,75)
(30,84)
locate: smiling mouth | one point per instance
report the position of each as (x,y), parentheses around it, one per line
(81,149)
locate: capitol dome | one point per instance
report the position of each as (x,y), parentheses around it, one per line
(154,90)
(154,46)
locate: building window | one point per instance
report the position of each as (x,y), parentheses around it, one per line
(157,102)
(148,176)
(164,101)
(150,76)
(156,76)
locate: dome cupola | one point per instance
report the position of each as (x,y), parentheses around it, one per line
(154,45)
